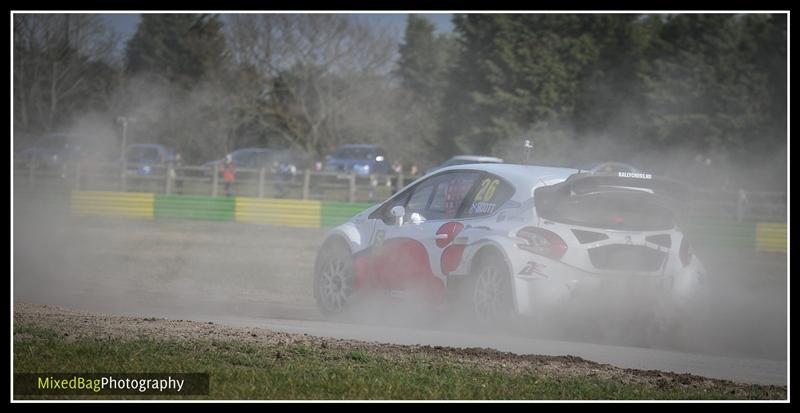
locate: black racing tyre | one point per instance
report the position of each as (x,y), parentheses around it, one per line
(334,277)
(489,291)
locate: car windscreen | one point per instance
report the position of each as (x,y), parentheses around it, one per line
(354,153)
(53,141)
(619,209)
(143,155)
(243,157)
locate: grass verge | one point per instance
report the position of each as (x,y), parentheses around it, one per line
(297,371)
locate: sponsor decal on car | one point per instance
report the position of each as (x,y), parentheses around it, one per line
(534,268)
(634,175)
(482,208)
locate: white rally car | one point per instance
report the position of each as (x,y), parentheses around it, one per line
(516,239)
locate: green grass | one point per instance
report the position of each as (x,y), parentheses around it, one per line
(250,371)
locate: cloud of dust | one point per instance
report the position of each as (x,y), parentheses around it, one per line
(194,269)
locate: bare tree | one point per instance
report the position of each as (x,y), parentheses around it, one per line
(311,71)
(59,62)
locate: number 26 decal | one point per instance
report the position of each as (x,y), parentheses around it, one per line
(488,188)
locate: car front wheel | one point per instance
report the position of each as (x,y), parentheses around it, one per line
(333,279)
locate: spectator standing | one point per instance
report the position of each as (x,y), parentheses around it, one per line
(394,180)
(412,173)
(228,174)
(397,167)
(177,174)
(284,172)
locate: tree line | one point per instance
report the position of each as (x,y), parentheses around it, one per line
(584,87)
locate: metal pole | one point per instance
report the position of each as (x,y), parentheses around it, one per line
(214,180)
(306,183)
(261,174)
(528,150)
(352,188)
(170,176)
(124,121)
(124,176)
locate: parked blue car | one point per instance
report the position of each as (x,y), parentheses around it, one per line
(143,157)
(53,150)
(363,159)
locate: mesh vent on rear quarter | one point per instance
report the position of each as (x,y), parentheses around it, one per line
(585,237)
(663,240)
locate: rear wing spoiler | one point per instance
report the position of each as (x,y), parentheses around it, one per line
(586,182)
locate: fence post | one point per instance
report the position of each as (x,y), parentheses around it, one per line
(306,183)
(214,180)
(123,183)
(261,174)
(170,178)
(352,188)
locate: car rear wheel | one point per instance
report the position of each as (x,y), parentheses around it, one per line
(334,279)
(491,292)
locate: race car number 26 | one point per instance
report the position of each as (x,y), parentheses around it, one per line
(481,204)
(488,188)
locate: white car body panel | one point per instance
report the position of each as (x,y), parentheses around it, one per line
(538,282)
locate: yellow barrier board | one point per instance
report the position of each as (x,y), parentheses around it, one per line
(117,204)
(287,212)
(297,213)
(771,237)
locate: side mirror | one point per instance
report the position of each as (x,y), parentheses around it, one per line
(398,213)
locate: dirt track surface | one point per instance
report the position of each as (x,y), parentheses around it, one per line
(76,325)
(253,275)
(181,268)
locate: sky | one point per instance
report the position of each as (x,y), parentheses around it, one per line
(125,24)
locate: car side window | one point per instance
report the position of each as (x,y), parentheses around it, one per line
(491,193)
(438,197)
(383,213)
(450,194)
(441,197)
(419,199)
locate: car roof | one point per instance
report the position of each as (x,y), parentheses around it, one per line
(61,135)
(521,176)
(359,145)
(254,150)
(477,158)
(147,145)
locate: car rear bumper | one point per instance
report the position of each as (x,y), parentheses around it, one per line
(553,285)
